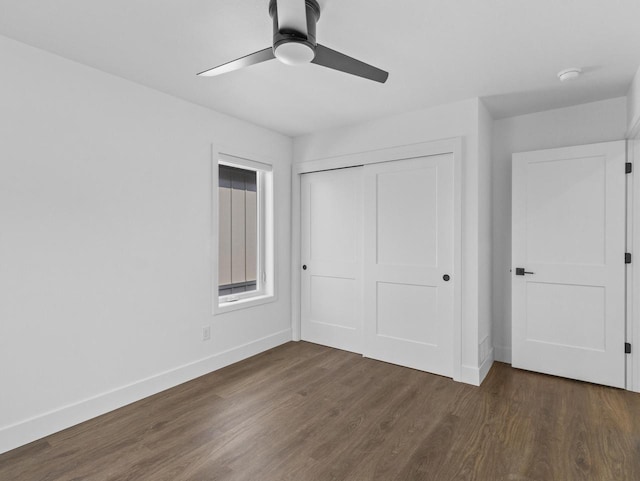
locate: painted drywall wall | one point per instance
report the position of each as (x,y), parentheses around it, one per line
(454,120)
(583,124)
(105,234)
(485,267)
(633,103)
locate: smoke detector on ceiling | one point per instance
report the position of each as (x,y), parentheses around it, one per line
(569,74)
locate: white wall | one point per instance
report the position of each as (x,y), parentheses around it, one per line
(633,102)
(105,262)
(583,124)
(485,267)
(454,120)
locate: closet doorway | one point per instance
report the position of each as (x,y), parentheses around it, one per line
(377,260)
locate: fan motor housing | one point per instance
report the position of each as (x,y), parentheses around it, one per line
(285,36)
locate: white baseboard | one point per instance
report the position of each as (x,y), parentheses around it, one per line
(503,354)
(469,375)
(486,365)
(24,432)
(475,375)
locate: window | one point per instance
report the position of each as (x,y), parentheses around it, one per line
(238,244)
(245,233)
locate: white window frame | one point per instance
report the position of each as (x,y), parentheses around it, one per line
(265,288)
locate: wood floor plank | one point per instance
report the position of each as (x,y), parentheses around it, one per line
(303,412)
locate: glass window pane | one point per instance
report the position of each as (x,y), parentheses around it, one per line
(238,230)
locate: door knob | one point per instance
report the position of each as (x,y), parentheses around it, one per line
(304,267)
(446,277)
(521,272)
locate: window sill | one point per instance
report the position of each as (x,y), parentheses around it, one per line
(244,303)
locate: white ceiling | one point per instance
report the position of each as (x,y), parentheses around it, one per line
(437,51)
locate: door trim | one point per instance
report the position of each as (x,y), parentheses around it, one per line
(633,271)
(633,239)
(424,149)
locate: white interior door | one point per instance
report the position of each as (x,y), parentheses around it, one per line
(408,254)
(569,239)
(331,253)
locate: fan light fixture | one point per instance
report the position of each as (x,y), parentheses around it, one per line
(294,43)
(294,53)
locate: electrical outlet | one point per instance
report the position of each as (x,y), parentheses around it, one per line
(206,333)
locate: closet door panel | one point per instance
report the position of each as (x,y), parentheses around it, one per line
(332,258)
(408,254)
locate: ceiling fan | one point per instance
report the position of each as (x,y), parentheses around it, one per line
(294,43)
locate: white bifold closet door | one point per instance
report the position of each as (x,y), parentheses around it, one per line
(408,263)
(331,291)
(377,254)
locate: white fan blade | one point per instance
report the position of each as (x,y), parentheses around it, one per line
(292,15)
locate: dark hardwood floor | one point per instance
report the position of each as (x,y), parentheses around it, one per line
(306,412)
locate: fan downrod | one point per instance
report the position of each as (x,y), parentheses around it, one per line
(288,35)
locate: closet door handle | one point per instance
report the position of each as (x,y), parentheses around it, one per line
(304,267)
